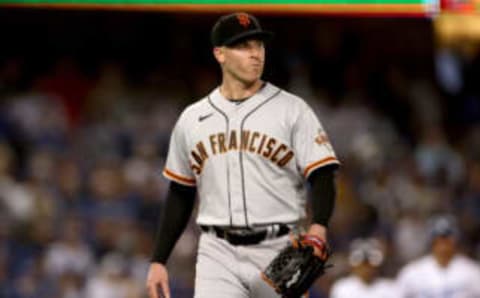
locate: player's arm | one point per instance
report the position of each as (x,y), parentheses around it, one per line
(322,192)
(178,209)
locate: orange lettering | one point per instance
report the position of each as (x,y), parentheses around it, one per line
(244,140)
(202,151)
(262,142)
(196,169)
(280,148)
(221,142)
(271,142)
(254,136)
(213,143)
(197,158)
(233,141)
(285,159)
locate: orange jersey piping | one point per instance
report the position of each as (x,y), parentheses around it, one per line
(309,168)
(178,178)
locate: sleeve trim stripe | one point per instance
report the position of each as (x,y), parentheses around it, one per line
(329,160)
(178,178)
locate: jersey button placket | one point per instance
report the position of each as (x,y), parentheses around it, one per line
(236,183)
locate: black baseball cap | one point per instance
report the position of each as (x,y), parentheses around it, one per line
(236,27)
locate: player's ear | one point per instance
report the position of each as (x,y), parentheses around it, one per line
(219,54)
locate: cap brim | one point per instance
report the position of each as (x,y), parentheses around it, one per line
(254,34)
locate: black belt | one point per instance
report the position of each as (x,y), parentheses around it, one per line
(247,236)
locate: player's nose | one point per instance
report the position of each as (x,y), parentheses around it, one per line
(256,53)
(255,48)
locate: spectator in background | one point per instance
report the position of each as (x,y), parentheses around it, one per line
(408,151)
(366,257)
(15,199)
(68,186)
(109,208)
(38,120)
(30,282)
(444,272)
(67,86)
(140,256)
(112,279)
(410,235)
(5,283)
(40,176)
(110,99)
(469,205)
(140,173)
(69,254)
(436,160)
(71,285)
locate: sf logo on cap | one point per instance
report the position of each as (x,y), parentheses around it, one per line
(243,19)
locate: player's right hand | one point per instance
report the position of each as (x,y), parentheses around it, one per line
(157,279)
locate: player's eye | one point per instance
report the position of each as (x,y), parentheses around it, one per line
(259,43)
(247,44)
(242,45)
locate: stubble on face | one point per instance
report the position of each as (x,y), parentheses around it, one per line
(245,61)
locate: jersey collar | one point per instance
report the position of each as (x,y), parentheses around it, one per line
(228,108)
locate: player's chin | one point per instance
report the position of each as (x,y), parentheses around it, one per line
(255,75)
(250,80)
(257,71)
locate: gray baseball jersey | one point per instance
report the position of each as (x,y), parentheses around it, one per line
(248,161)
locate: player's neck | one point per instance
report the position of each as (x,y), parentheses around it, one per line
(235,90)
(368,280)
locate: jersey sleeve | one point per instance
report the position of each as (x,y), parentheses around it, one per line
(311,144)
(388,289)
(177,167)
(475,278)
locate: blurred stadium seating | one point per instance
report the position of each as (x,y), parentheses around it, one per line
(88,99)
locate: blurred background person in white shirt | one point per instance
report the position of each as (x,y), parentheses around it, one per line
(444,272)
(366,258)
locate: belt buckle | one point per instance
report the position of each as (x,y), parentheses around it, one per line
(225,235)
(232,237)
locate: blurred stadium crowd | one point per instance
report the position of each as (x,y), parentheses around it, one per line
(81,150)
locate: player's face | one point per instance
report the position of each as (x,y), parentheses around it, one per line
(444,246)
(243,61)
(365,271)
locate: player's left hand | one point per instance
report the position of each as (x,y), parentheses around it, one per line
(320,247)
(297,266)
(318,239)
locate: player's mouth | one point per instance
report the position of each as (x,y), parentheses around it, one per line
(256,67)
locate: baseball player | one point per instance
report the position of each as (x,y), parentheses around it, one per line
(444,273)
(248,150)
(366,257)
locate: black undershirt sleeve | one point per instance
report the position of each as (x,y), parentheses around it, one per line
(178,209)
(322,194)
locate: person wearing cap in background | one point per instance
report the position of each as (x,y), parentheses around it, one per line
(112,279)
(366,258)
(249,149)
(444,272)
